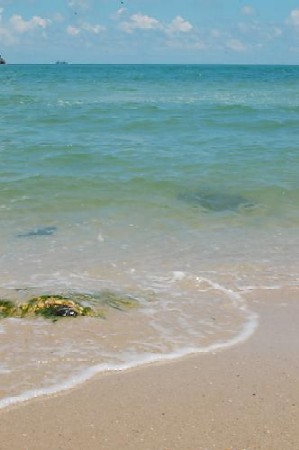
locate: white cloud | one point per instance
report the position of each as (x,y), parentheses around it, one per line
(16,26)
(236,45)
(73,31)
(141,22)
(179,25)
(294,18)
(85,26)
(19,25)
(95,29)
(121,11)
(5,35)
(257,30)
(248,10)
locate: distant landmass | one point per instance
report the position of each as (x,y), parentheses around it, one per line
(61,62)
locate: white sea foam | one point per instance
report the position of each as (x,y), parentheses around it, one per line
(89,373)
(150,358)
(100,238)
(131,359)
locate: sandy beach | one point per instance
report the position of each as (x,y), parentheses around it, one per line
(245,397)
(164,197)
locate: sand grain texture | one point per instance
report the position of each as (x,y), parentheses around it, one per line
(246,397)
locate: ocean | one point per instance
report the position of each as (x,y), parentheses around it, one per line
(176,185)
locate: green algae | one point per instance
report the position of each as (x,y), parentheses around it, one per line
(117,301)
(47,306)
(54,306)
(7,308)
(108,299)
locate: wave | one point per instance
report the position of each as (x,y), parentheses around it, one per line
(131,358)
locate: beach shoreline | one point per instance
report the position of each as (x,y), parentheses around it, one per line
(244,397)
(174,186)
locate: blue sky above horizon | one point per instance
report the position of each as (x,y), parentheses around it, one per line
(150,31)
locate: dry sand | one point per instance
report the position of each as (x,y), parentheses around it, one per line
(246,397)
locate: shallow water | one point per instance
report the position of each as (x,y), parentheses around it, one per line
(175,184)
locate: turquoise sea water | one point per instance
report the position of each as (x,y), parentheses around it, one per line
(174,181)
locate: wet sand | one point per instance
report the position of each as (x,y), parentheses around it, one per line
(245,397)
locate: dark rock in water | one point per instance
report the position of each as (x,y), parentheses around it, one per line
(53,306)
(216,201)
(65,311)
(45,231)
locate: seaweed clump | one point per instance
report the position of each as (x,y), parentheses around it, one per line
(50,306)
(47,306)
(108,299)
(117,301)
(7,308)
(55,306)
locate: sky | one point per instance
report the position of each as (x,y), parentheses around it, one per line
(150,31)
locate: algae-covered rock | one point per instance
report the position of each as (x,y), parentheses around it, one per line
(54,306)
(48,306)
(47,303)
(7,308)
